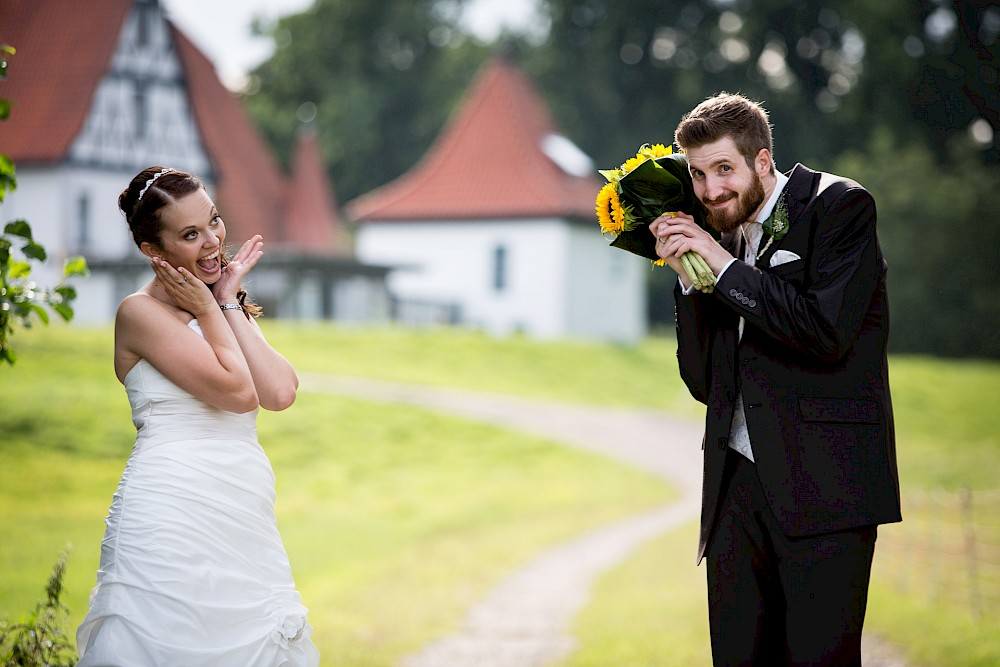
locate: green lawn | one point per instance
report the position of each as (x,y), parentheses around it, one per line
(651,611)
(396,519)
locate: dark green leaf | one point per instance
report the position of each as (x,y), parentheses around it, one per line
(5,50)
(67,292)
(65,311)
(18,228)
(8,179)
(42,314)
(653,188)
(34,251)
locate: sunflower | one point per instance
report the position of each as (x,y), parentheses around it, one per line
(633,162)
(610,213)
(646,152)
(658,150)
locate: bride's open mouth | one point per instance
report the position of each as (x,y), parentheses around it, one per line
(209,264)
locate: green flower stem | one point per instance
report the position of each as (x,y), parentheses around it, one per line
(698,271)
(689,269)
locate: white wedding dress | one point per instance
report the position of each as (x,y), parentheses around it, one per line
(193,571)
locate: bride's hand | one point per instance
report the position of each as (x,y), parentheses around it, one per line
(186,291)
(244,260)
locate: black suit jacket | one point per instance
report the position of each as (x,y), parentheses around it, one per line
(811,365)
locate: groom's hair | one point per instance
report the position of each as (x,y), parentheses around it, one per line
(727,115)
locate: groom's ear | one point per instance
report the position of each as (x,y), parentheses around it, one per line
(762,162)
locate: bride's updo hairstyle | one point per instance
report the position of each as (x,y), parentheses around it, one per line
(150,191)
(147,194)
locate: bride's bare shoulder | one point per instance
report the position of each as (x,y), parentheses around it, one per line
(140,307)
(142,318)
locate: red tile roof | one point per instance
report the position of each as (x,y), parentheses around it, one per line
(63,50)
(487,163)
(311,219)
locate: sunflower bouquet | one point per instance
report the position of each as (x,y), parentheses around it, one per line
(644,187)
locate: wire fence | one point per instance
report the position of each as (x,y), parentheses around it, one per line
(946,550)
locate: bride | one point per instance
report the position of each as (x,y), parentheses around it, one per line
(193,570)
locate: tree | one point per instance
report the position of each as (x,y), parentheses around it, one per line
(888,93)
(941,219)
(20,297)
(379,78)
(848,83)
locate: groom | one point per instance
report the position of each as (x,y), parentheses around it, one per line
(789,355)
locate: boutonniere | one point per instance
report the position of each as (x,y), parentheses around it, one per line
(776,225)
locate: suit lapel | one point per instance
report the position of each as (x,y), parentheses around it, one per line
(797,195)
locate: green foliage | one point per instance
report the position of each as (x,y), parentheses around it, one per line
(39,640)
(8,180)
(937,218)
(383,77)
(837,78)
(20,297)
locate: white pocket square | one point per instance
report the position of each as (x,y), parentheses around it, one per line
(783,257)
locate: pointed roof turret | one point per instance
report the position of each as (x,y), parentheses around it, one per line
(500,156)
(312,222)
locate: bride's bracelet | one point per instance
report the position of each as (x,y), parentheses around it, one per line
(230,306)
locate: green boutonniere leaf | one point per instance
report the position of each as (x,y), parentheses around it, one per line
(776,225)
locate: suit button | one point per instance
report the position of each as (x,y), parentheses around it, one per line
(752,304)
(733,292)
(723,443)
(744,300)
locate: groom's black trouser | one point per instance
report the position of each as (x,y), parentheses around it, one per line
(775,600)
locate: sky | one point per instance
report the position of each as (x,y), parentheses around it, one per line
(221,28)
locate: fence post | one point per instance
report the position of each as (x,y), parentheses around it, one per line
(969,530)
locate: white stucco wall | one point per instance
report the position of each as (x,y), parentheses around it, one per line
(606,293)
(49,199)
(562,279)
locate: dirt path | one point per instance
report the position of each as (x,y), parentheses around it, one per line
(525,620)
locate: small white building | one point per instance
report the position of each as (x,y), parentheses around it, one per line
(105,88)
(495,228)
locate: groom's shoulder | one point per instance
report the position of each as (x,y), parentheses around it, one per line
(812,184)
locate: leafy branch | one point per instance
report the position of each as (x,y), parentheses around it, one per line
(20,297)
(40,639)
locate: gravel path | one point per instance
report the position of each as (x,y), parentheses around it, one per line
(525,620)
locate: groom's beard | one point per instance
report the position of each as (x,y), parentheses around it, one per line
(747,203)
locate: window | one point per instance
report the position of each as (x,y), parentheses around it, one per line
(83,221)
(142,24)
(140,110)
(500,268)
